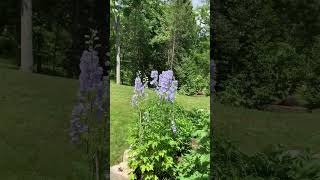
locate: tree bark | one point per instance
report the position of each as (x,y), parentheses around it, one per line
(26,37)
(18,33)
(117,27)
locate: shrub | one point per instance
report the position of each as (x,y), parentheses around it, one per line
(274,75)
(275,162)
(195,164)
(161,138)
(312,83)
(194,74)
(312,92)
(8,44)
(230,162)
(280,163)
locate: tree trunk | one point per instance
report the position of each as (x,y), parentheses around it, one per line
(173,50)
(117,27)
(18,33)
(26,37)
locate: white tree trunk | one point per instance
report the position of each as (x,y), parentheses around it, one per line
(117,24)
(26,36)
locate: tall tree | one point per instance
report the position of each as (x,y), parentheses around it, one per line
(182,27)
(18,32)
(26,36)
(117,26)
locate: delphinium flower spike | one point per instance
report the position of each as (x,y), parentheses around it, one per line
(154,76)
(90,80)
(167,86)
(139,90)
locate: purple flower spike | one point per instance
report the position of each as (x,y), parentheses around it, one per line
(166,86)
(90,80)
(91,73)
(139,87)
(172,90)
(76,127)
(138,91)
(154,76)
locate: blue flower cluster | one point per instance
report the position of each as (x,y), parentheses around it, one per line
(154,76)
(139,88)
(91,94)
(91,73)
(167,86)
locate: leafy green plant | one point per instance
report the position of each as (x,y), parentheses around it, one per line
(155,155)
(312,92)
(195,164)
(164,133)
(275,162)
(194,74)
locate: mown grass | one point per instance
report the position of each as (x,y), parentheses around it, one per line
(34,122)
(35,112)
(254,130)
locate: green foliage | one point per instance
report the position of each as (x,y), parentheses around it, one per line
(140,22)
(312,83)
(275,162)
(262,47)
(52,43)
(160,153)
(161,35)
(8,43)
(9,29)
(312,92)
(274,75)
(193,68)
(196,163)
(194,79)
(230,162)
(280,163)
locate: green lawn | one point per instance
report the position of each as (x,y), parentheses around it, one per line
(254,130)
(34,121)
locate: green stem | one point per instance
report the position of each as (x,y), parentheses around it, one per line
(140,125)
